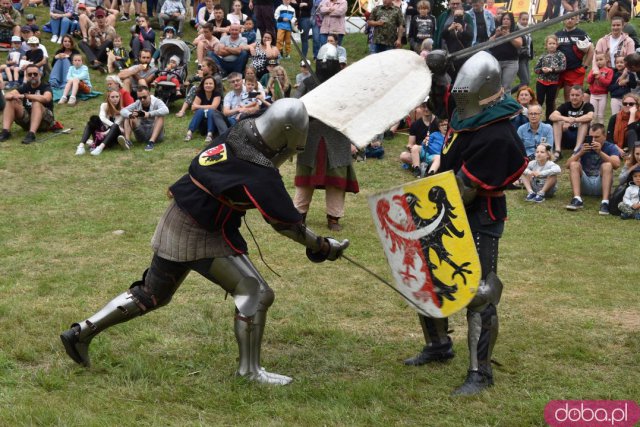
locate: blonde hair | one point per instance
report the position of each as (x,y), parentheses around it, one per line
(547,149)
(272,77)
(550,36)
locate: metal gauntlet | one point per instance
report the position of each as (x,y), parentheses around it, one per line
(319,248)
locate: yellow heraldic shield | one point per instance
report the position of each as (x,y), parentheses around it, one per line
(213,155)
(427,240)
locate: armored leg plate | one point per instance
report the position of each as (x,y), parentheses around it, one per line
(439,346)
(76,340)
(475,382)
(78,351)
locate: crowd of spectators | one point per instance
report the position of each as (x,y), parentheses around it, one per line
(244,43)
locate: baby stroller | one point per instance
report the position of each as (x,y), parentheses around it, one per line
(166,90)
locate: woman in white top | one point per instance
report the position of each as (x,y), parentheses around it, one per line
(205,14)
(102,131)
(236,17)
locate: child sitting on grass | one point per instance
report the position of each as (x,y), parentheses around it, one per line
(117,57)
(540,178)
(630,204)
(12,66)
(77,80)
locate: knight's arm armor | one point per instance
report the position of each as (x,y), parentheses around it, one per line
(319,248)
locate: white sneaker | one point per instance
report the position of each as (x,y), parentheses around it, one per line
(54,39)
(62,100)
(98,150)
(80,150)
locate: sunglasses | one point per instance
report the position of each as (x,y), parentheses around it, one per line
(33,74)
(142,97)
(628,104)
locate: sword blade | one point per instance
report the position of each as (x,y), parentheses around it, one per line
(362,267)
(306,61)
(464,53)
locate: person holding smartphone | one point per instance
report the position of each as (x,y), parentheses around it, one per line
(454,33)
(591,169)
(508,53)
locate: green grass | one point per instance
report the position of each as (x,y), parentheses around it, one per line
(569,313)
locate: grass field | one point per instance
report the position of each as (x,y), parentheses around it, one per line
(569,312)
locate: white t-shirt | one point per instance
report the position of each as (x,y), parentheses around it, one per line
(613,48)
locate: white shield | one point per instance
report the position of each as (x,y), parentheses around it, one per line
(371,95)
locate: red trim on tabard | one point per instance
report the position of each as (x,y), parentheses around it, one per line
(262,211)
(504,183)
(224,235)
(218,216)
(255,203)
(489,210)
(517,174)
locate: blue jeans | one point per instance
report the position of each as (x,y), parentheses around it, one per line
(382,47)
(214,120)
(316,40)
(233,66)
(305,26)
(60,27)
(58,75)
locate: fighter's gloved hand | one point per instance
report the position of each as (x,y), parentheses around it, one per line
(330,250)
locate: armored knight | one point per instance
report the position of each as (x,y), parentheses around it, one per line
(484,151)
(200,231)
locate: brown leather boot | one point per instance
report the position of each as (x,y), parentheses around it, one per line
(333,224)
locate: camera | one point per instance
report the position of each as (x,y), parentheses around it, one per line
(458,19)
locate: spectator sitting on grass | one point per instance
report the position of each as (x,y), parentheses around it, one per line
(30,106)
(630,204)
(78,80)
(591,169)
(420,131)
(535,132)
(140,74)
(145,118)
(540,178)
(571,122)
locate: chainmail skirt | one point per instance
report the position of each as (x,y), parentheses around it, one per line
(179,238)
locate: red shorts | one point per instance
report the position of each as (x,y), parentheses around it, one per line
(83,87)
(572,77)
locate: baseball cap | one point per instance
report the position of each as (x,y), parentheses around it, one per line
(303,64)
(100,13)
(272,62)
(30,17)
(26,29)
(33,40)
(16,39)
(82,6)
(34,28)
